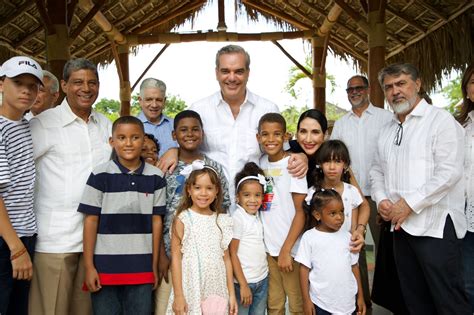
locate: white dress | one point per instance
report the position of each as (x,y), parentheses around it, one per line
(203,269)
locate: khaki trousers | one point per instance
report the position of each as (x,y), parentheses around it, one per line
(56,287)
(162,295)
(283,284)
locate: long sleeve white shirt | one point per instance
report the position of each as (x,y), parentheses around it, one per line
(230,141)
(65,149)
(360,134)
(469,170)
(425,169)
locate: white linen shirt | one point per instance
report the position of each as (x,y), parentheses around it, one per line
(469,170)
(425,169)
(360,134)
(230,141)
(65,149)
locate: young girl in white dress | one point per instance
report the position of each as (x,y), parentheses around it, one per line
(329,273)
(200,266)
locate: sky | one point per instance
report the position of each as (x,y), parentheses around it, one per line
(188,68)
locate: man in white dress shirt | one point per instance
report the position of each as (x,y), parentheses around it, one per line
(68,141)
(417,185)
(230,116)
(359,130)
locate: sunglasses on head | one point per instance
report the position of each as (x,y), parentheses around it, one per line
(355,89)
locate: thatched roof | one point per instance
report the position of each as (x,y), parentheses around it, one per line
(435,35)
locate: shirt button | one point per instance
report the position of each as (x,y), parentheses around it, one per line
(133,183)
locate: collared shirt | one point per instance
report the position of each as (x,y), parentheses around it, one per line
(65,149)
(469,170)
(425,169)
(162,131)
(125,202)
(230,141)
(360,134)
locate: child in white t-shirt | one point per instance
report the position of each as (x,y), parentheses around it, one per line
(247,250)
(329,273)
(283,216)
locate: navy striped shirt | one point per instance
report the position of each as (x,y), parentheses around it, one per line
(125,202)
(17,175)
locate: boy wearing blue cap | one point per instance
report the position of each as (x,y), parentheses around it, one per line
(20,78)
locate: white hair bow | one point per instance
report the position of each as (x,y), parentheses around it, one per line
(195,166)
(309,196)
(260,178)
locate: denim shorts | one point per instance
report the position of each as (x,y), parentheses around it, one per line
(259,298)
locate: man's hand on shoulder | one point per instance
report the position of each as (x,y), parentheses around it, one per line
(168,161)
(298,165)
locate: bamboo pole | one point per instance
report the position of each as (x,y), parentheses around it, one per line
(319,77)
(149,66)
(125,90)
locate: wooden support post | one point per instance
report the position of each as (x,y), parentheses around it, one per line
(221,26)
(125,90)
(319,77)
(57,38)
(376,39)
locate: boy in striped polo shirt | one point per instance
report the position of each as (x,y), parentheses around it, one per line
(123,202)
(20,78)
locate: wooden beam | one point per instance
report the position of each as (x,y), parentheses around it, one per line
(377,42)
(406,19)
(364,6)
(168,17)
(342,44)
(171,38)
(354,15)
(221,15)
(71,6)
(300,15)
(86,20)
(48,25)
(319,77)
(464,7)
(150,65)
(432,10)
(297,64)
(329,20)
(283,16)
(28,37)
(115,53)
(18,11)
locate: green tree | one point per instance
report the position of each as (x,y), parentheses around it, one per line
(453,93)
(111,107)
(296,75)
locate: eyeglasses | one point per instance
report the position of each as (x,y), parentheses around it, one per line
(356,89)
(398,135)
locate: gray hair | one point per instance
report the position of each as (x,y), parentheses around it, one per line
(54,81)
(397,69)
(73,65)
(359,76)
(233,49)
(154,84)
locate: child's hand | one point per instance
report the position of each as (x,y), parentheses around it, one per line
(308,308)
(357,241)
(22,267)
(179,305)
(92,280)
(245,295)
(163,267)
(361,308)
(233,308)
(285,262)
(155,277)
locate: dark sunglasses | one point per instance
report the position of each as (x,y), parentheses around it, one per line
(356,89)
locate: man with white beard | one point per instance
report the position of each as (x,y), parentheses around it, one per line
(417,185)
(359,129)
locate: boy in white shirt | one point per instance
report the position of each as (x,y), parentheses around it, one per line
(283,218)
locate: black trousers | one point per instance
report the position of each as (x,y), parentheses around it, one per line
(430,272)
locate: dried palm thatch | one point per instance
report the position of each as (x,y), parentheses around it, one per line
(435,35)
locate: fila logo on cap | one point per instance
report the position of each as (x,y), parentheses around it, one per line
(26,62)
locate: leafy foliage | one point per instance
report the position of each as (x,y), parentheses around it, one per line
(453,93)
(295,75)
(111,107)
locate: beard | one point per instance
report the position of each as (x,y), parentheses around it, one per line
(401,108)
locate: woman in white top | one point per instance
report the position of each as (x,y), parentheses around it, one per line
(466,118)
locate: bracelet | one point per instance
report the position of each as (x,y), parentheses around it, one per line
(18,254)
(365,228)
